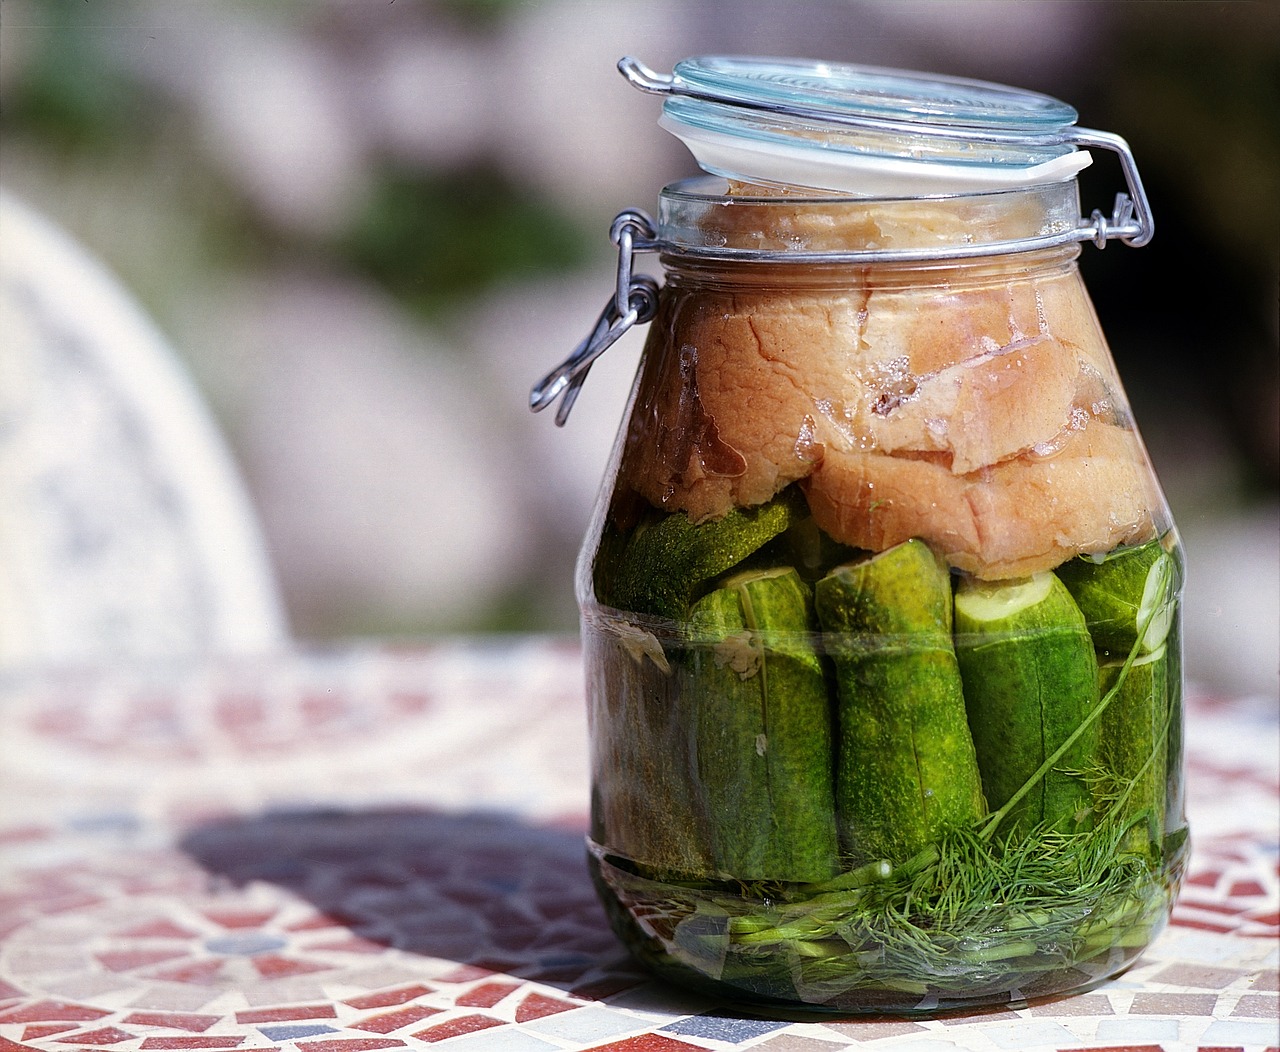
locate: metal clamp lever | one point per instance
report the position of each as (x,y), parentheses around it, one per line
(635,301)
(1130,219)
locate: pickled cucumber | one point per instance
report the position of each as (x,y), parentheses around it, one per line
(1030,680)
(1127,593)
(664,564)
(1134,741)
(762,730)
(642,802)
(906,769)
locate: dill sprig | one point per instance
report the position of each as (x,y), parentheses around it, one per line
(965,914)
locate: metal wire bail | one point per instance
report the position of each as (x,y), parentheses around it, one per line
(1130,220)
(634,302)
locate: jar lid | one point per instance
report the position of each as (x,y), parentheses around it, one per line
(862,129)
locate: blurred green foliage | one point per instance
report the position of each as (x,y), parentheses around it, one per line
(435,238)
(71,90)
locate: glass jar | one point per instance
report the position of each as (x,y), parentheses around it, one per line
(880,604)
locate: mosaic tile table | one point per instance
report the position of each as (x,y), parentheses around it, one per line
(382,849)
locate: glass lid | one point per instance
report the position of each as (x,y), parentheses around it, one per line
(860,129)
(836,91)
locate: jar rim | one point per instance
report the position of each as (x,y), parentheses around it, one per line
(710,187)
(701,217)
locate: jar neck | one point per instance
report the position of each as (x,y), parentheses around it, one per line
(711,219)
(690,270)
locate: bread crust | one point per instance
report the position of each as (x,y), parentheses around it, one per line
(984,417)
(1013,519)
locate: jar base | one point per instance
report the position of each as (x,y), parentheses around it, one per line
(694,936)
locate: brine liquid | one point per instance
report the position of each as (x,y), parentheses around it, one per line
(833,952)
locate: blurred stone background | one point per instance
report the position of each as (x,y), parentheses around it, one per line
(367,226)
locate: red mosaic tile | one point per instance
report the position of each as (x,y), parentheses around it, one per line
(570,906)
(1183,921)
(353,944)
(51,1012)
(1228,909)
(1220,1048)
(199,973)
(173,1020)
(319,709)
(8,925)
(1123,1048)
(1257,1006)
(157,929)
(457,888)
(350,1044)
(12,1046)
(128,960)
(647,1043)
(386,1022)
(319,922)
(36,1030)
(403,703)
(516,937)
(58,722)
(236,919)
(1080,1005)
(574,822)
(238,712)
(1247,889)
(978,1014)
(1202,975)
(600,989)
(1208,879)
(7,991)
(272,966)
(107,1035)
(26,834)
(486,995)
(536,1005)
(466,973)
(148,718)
(285,1015)
(1179,1004)
(387,998)
(565,974)
(78,901)
(465,1024)
(230,1041)
(873,1029)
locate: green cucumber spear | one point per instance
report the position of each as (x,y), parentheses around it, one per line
(1119,594)
(641,801)
(1129,601)
(663,565)
(762,737)
(1030,681)
(905,765)
(1134,739)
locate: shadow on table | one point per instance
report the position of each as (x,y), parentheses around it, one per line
(475,888)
